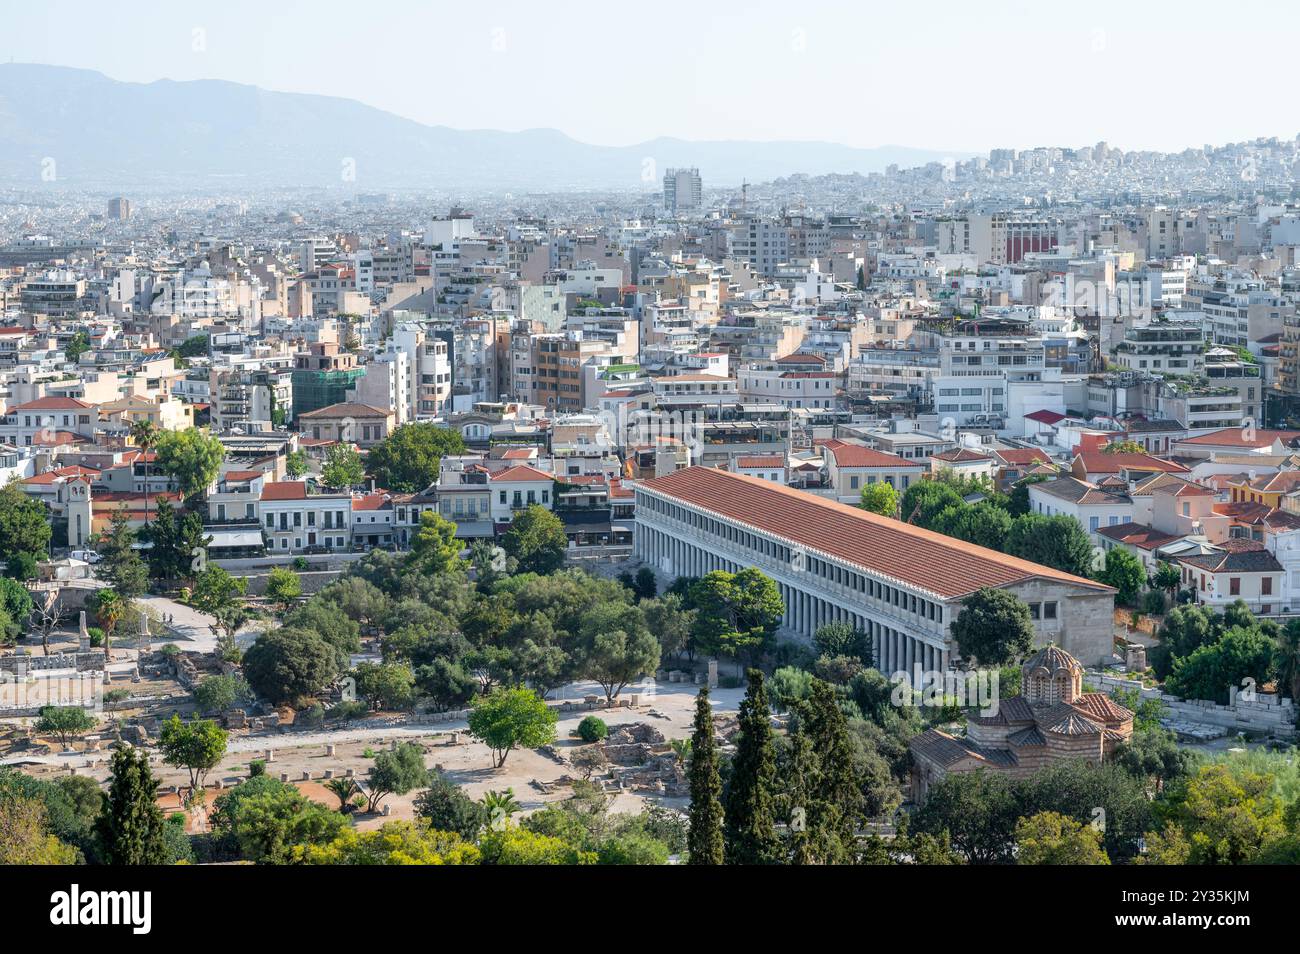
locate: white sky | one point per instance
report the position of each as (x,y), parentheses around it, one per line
(928,73)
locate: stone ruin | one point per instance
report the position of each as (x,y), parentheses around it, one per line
(641,759)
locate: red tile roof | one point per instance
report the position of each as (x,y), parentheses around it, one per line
(53,404)
(1135,534)
(1242,437)
(857,455)
(927,560)
(521,472)
(285,490)
(1097,462)
(767,460)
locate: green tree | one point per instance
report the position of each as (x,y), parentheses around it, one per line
(15,604)
(24,525)
(834,803)
(385,685)
(144,434)
(507,719)
(671,622)
(994,627)
(78,345)
(434,548)
(1166,578)
(109,607)
(1155,758)
(120,562)
(983,524)
(617,647)
(1124,572)
(288,664)
(1211,670)
(195,346)
(218,693)
(536,539)
(25,838)
(1058,541)
(220,595)
(977,810)
(396,772)
(749,829)
(407,460)
(880,498)
(196,746)
(191,458)
(518,846)
(283,587)
(343,468)
(926,499)
(1123,447)
(790,685)
(130,826)
(839,638)
(736,612)
(393,843)
(1286,658)
(1050,838)
(1018,499)
(65,723)
(296,464)
(1225,817)
(447,808)
(264,820)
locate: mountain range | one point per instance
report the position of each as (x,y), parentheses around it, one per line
(208,135)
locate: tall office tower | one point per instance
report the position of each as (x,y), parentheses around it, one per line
(119,209)
(683,190)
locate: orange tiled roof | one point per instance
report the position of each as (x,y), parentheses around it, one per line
(927,560)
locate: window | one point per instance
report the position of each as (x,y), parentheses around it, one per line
(1266,586)
(1234,586)
(1049,610)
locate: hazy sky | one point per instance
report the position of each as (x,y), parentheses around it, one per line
(927,73)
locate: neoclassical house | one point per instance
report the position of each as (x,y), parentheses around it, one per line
(1052,719)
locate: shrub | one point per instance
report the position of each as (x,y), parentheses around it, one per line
(592,729)
(347,711)
(1153,603)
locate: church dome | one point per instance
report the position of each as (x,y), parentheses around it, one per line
(1051,661)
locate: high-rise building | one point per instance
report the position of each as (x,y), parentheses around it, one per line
(683,190)
(119,209)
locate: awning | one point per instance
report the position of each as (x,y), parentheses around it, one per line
(234,538)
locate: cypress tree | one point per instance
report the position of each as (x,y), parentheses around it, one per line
(130,825)
(835,809)
(801,777)
(749,834)
(705,838)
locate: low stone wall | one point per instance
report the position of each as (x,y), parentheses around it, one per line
(1268,714)
(29,662)
(313,581)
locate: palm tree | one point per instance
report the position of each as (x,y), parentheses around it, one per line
(144,433)
(109,610)
(1287,658)
(681,749)
(500,806)
(343,789)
